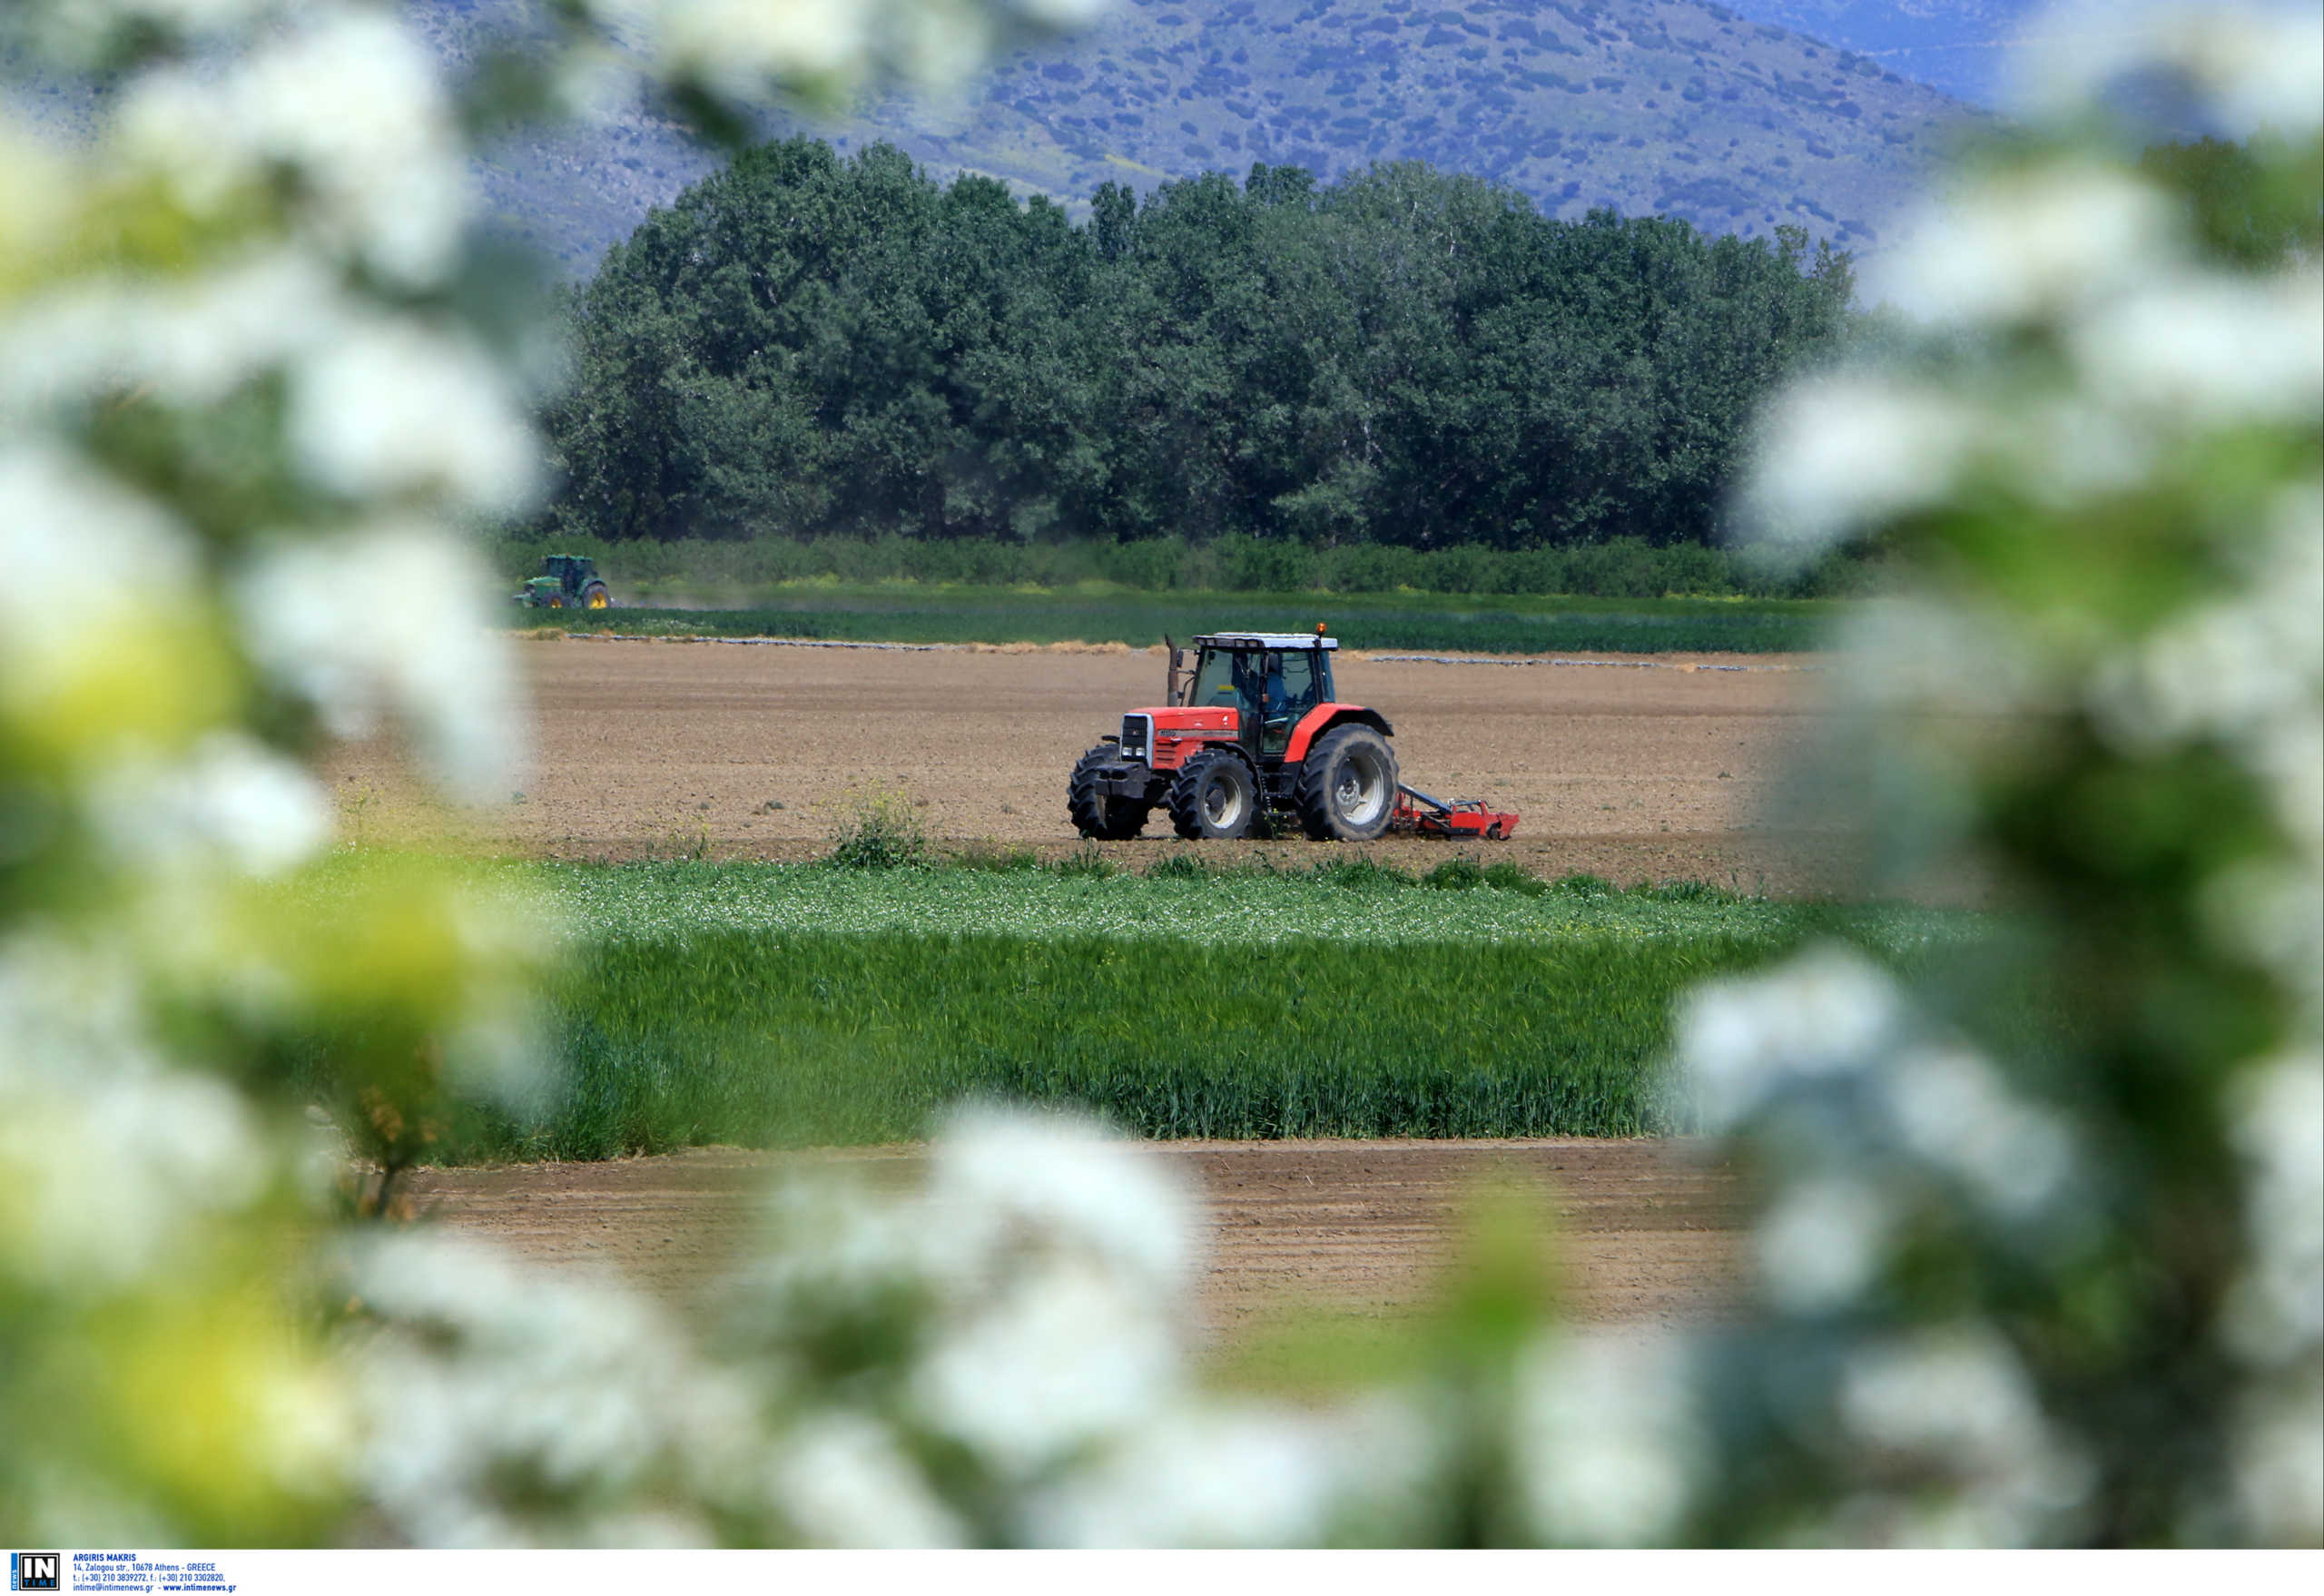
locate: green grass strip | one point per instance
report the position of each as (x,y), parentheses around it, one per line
(1002,615)
(784,1005)
(760,1040)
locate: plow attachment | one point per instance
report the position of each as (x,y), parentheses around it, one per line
(1425,816)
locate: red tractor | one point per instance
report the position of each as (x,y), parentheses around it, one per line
(1252,737)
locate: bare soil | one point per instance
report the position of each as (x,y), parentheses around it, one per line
(1631,769)
(1641,1232)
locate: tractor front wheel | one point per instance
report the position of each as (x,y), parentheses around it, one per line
(1347,785)
(1096,812)
(1215,796)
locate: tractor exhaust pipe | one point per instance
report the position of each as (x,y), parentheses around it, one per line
(1171,695)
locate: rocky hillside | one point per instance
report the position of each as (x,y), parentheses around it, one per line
(1682,107)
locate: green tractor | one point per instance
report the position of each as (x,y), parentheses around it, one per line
(567,581)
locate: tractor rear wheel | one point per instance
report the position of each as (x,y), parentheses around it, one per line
(1215,796)
(1347,785)
(1098,813)
(596,595)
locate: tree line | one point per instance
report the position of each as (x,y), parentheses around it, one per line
(806,344)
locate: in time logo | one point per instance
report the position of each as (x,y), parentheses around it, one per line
(34,1570)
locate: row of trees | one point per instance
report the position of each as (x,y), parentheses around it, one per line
(804,344)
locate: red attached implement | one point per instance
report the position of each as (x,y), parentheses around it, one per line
(1425,816)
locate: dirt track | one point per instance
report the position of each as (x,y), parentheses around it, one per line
(1630,769)
(1643,1232)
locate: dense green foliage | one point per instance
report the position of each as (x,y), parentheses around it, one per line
(770,1004)
(997,616)
(804,344)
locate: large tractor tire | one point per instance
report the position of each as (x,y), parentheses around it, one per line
(1101,814)
(1215,796)
(1347,785)
(596,595)
(556,601)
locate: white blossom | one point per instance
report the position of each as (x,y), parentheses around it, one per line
(2207,350)
(1956,1399)
(391,620)
(1197,1474)
(106,562)
(1828,1014)
(1606,1439)
(229,799)
(737,47)
(393,408)
(1063,15)
(347,100)
(185,340)
(1842,452)
(502,1407)
(2254,64)
(2020,243)
(839,1479)
(1821,1243)
(1955,1113)
(1002,1181)
(1065,1359)
(2278,1311)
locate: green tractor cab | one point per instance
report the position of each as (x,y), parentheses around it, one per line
(567,581)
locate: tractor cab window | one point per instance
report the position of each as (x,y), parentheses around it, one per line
(1291,693)
(1223,680)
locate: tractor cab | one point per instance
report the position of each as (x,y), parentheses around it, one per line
(1271,682)
(567,581)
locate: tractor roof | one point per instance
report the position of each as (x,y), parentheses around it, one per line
(1265,640)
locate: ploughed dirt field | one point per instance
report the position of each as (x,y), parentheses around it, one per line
(1640,1232)
(1632,769)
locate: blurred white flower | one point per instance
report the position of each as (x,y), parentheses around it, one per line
(2279,1466)
(346,101)
(1606,1439)
(939,42)
(738,48)
(2025,242)
(101,664)
(2206,351)
(152,1151)
(1063,14)
(502,1407)
(1004,1183)
(1955,1113)
(839,1479)
(2254,64)
(1840,452)
(187,340)
(1828,1013)
(395,408)
(2277,1312)
(391,620)
(1821,1243)
(1955,1399)
(230,800)
(1065,1359)
(1220,1476)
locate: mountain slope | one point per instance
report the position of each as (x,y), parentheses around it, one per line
(1958,46)
(1682,107)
